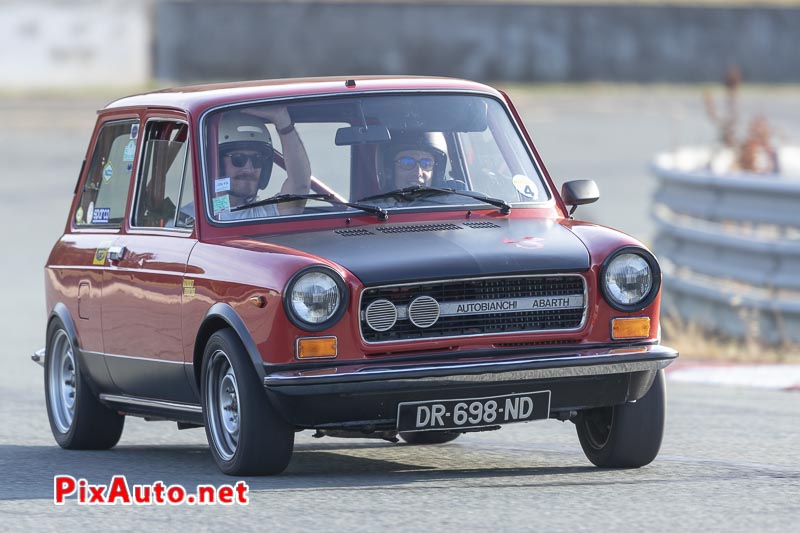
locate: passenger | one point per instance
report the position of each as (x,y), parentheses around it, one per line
(246,159)
(411,159)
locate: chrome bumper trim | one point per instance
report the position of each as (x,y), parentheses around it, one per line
(648,358)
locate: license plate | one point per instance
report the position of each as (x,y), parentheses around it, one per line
(473,412)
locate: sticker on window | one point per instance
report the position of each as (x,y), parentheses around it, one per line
(100,215)
(89,212)
(222,185)
(79,215)
(130,150)
(525,187)
(134,131)
(223,203)
(108,171)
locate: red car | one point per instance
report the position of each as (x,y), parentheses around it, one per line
(366,257)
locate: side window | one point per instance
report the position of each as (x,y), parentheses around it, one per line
(105,190)
(165,178)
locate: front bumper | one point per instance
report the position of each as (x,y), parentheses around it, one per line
(365,396)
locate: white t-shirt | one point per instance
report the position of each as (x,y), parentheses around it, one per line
(269,210)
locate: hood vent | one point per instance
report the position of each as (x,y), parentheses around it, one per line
(418,228)
(353,232)
(481,225)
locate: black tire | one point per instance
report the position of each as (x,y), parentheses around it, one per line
(246,436)
(429,437)
(77,418)
(627,435)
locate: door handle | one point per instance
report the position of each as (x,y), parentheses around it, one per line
(115,253)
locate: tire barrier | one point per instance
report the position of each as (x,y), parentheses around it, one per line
(729,245)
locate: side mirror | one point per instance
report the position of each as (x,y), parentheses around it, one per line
(579,192)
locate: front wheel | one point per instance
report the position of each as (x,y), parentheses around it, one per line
(77,418)
(627,435)
(245,434)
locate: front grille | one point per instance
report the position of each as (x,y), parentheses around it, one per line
(478,290)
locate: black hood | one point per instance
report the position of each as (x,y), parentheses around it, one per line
(406,252)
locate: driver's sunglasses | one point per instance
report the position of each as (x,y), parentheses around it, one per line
(410,163)
(240,160)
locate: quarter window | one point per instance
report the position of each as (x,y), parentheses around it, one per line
(105,190)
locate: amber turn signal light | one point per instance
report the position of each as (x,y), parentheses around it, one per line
(258,301)
(312,347)
(630,328)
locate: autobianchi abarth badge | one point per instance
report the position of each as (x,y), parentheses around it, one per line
(509,305)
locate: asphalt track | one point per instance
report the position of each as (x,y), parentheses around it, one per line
(729,461)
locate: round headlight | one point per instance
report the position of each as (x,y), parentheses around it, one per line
(629,280)
(315,298)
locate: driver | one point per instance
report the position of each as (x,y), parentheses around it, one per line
(246,159)
(414,158)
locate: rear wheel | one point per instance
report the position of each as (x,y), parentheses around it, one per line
(627,435)
(429,437)
(245,434)
(77,418)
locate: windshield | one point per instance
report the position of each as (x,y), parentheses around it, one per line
(342,155)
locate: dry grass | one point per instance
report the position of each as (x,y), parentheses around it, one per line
(697,344)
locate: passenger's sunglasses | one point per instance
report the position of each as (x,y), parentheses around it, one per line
(410,163)
(240,160)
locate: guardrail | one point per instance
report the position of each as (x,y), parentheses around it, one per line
(729,245)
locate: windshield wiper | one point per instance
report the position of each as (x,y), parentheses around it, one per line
(381,213)
(416,191)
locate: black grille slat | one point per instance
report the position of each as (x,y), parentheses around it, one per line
(482,289)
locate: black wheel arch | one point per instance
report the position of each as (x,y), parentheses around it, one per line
(61,313)
(219,316)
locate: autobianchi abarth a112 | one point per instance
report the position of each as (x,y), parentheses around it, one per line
(369,257)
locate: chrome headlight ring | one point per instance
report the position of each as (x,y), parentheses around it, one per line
(315,298)
(630,279)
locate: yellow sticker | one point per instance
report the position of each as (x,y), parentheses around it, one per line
(188,287)
(79,215)
(101,253)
